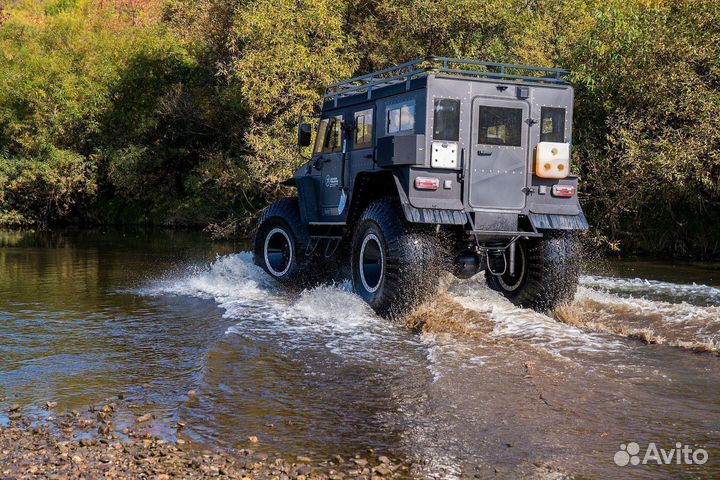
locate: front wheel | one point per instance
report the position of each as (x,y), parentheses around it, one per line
(545,276)
(281,243)
(393,267)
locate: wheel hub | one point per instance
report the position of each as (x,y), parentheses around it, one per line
(278,252)
(372,264)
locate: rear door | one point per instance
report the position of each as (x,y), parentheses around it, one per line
(499,158)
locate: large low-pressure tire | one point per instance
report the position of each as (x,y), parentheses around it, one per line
(546,273)
(393,267)
(281,243)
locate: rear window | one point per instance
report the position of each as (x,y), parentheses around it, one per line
(552,124)
(446,120)
(500,126)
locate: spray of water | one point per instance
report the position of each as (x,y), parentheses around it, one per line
(680,324)
(604,308)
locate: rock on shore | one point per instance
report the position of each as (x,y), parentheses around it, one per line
(73,445)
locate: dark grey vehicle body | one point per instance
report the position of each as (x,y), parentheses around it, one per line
(488,189)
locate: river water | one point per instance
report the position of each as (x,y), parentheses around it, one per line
(468,386)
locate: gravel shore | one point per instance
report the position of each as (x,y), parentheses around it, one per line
(87,445)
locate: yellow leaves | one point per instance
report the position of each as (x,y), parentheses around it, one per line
(286,53)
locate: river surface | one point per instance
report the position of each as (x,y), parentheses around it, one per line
(192,331)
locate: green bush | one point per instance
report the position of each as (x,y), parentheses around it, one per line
(47,188)
(128,105)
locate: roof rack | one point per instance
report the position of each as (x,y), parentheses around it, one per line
(406,72)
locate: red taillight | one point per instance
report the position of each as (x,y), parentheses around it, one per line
(427,183)
(563,190)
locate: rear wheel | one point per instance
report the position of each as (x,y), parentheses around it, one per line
(545,276)
(281,243)
(393,268)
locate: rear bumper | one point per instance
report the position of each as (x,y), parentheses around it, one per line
(494,222)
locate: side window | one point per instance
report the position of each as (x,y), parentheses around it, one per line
(500,126)
(333,139)
(320,138)
(446,120)
(552,124)
(363,128)
(401,117)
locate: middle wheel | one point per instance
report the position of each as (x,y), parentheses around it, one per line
(393,268)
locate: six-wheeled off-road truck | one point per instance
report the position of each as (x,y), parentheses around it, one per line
(431,164)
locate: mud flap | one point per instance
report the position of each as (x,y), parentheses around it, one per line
(543,221)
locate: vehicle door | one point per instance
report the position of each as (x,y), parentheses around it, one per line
(499,154)
(327,163)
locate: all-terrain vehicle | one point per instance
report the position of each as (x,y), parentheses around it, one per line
(435,163)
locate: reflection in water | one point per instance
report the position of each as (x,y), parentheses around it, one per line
(70,333)
(476,386)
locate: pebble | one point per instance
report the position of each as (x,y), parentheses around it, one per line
(45,452)
(14,407)
(144,418)
(382,470)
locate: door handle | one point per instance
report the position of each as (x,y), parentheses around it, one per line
(484,153)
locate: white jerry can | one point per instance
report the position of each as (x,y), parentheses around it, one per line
(552,160)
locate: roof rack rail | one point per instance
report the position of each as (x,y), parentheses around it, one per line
(406,72)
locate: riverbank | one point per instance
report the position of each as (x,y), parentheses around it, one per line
(87,445)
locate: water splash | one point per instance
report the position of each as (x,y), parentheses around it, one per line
(327,316)
(652,321)
(228,277)
(510,321)
(697,294)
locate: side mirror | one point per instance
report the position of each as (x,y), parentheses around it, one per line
(304,135)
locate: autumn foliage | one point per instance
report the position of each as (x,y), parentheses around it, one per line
(183,112)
